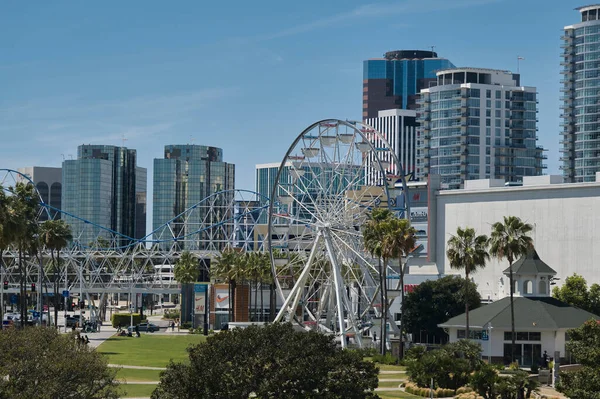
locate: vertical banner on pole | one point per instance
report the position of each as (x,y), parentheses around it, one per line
(200,292)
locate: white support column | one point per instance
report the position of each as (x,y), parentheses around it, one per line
(299,286)
(338,288)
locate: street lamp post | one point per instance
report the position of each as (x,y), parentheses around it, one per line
(490,342)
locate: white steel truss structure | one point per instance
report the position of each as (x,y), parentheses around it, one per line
(114,263)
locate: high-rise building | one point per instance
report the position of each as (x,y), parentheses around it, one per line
(478,124)
(104,186)
(399,128)
(396,80)
(48,182)
(581,98)
(185,176)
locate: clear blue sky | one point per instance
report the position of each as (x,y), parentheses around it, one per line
(243,76)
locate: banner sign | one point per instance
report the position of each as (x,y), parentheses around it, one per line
(200,298)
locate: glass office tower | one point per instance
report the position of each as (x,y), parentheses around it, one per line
(184,177)
(581,97)
(104,186)
(478,124)
(394,82)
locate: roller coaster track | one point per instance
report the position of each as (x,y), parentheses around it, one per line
(100,260)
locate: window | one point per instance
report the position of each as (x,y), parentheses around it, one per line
(488,94)
(524,336)
(473,334)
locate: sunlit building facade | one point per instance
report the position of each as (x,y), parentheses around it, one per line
(183,178)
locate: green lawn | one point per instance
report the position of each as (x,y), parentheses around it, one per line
(390,367)
(138,375)
(137,391)
(389,384)
(149,350)
(396,395)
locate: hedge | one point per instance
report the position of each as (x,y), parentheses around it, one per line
(124,319)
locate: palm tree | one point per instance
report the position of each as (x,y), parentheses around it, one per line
(227,269)
(23,227)
(373,234)
(186,269)
(467,251)
(398,242)
(511,240)
(55,235)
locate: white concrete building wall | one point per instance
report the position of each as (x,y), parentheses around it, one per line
(565,217)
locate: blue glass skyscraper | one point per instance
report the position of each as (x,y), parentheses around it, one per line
(185,176)
(105,186)
(395,81)
(581,98)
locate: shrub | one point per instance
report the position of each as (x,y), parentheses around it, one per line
(172,314)
(450,366)
(513,366)
(186,325)
(535,368)
(124,319)
(366,352)
(463,390)
(385,359)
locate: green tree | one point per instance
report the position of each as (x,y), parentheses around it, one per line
(186,269)
(373,233)
(55,235)
(467,251)
(273,361)
(435,301)
(398,242)
(23,228)
(510,240)
(584,345)
(575,292)
(450,366)
(42,363)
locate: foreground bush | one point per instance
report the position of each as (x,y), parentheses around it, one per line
(44,364)
(272,361)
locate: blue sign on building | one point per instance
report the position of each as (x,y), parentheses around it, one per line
(13,298)
(66,293)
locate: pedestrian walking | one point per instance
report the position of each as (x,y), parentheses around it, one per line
(172,325)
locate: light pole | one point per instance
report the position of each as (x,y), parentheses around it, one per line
(489,328)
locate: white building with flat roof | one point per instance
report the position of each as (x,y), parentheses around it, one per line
(565,220)
(478,123)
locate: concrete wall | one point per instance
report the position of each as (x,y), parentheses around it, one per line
(566,220)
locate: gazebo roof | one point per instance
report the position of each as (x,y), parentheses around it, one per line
(530,264)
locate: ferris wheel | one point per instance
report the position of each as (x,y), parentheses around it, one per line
(333,174)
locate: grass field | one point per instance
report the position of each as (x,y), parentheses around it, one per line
(149,350)
(396,395)
(137,391)
(138,375)
(158,350)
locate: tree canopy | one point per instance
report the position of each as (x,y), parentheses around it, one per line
(575,292)
(273,361)
(584,345)
(435,301)
(40,363)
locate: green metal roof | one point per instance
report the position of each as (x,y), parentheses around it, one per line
(530,264)
(531,313)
